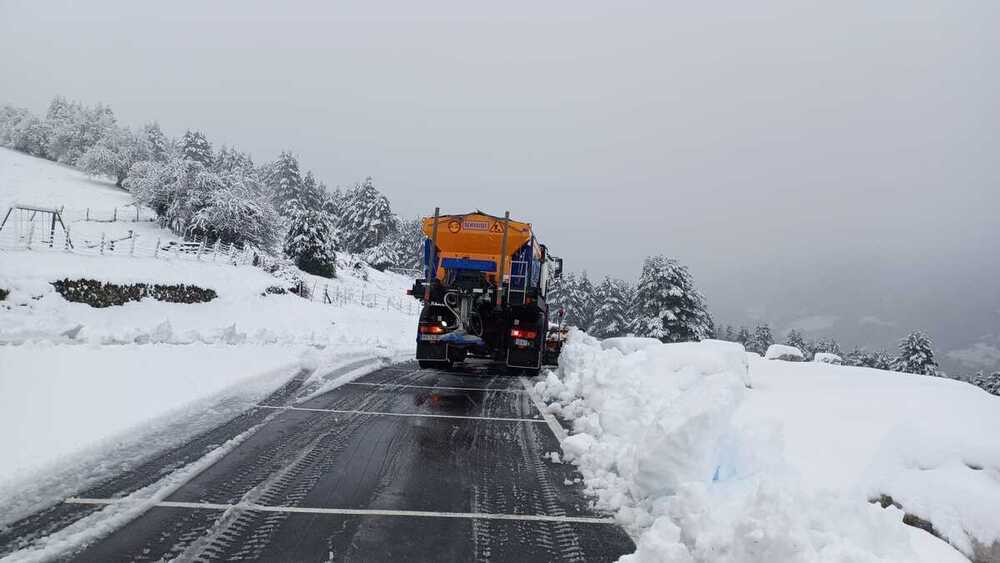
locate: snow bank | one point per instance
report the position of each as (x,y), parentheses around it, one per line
(783,352)
(929,443)
(655,434)
(629,344)
(57,398)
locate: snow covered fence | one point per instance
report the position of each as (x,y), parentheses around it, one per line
(132,244)
(344,296)
(125,214)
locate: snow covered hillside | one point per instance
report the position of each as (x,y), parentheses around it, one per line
(706,453)
(85,391)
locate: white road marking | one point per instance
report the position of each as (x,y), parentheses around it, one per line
(554,425)
(414,415)
(405,385)
(348,511)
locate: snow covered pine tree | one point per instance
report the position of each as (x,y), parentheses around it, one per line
(795,339)
(611,315)
(286,183)
(194,146)
(669,306)
(311,242)
(367,219)
(760,340)
(916,355)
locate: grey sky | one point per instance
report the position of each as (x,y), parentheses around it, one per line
(836,160)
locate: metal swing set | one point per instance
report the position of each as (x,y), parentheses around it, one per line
(29,218)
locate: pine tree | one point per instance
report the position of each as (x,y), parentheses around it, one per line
(669,306)
(230,160)
(195,147)
(366,218)
(585,303)
(989,383)
(743,336)
(313,192)
(160,148)
(559,292)
(916,355)
(795,339)
(311,241)
(880,360)
(730,334)
(828,345)
(611,313)
(761,339)
(286,183)
(408,245)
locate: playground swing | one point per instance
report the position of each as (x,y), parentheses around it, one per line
(27,217)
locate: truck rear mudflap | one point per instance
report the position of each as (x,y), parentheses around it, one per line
(527,358)
(432,351)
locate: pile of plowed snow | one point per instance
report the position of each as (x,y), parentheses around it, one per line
(707,454)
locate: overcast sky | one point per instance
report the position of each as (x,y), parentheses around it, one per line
(832,166)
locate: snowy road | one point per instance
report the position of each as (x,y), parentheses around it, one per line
(401,464)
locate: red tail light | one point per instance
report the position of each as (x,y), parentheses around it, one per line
(521,333)
(431,329)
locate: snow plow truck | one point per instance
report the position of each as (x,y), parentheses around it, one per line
(483,292)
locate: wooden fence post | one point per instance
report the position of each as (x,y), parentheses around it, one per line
(114,218)
(156,251)
(131,251)
(102,243)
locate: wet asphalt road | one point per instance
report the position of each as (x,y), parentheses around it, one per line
(488,463)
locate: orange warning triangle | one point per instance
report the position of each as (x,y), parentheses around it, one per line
(496,228)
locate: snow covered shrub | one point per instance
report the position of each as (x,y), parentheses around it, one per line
(236,211)
(3,294)
(102,294)
(115,154)
(827,358)
(275,290)
(380,257)
(783,352)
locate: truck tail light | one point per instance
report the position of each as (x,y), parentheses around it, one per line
(521,333)
(431,329)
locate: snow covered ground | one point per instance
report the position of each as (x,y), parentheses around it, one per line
(85,391)
(706,453)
